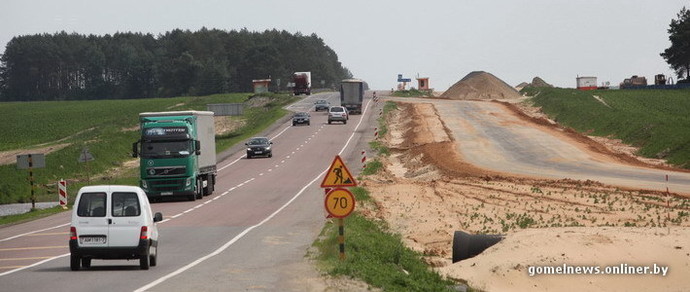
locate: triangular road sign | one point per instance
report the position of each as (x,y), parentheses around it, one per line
(338,175)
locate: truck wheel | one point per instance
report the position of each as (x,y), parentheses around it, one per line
(144,260)
(74,262)
(210,181)
(199,189)
(86,262)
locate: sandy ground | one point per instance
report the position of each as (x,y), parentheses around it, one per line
(427,192)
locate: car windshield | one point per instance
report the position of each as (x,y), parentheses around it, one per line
(162,149)
(321,101)
(301,114)
(258,141)
(337,109)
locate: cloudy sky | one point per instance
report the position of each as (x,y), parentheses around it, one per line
(515,40)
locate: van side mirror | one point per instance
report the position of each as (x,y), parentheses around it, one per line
(135,149)
(158,217)
(197,146)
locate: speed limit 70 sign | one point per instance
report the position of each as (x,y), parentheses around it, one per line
(339,203)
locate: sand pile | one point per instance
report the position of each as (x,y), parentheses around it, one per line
(481,85)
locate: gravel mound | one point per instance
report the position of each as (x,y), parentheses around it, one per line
(481,85)
(538,82)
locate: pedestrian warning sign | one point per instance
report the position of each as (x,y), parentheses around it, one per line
(338,175)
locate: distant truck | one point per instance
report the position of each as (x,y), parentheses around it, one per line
(351,95)
(177,153)
(302,83)
(634,81)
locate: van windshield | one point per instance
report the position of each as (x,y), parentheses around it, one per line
(91,205)
(166,149)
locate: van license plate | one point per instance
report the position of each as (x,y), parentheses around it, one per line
(92,240)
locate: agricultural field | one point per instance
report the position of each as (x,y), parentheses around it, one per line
(61,129)
(655,121)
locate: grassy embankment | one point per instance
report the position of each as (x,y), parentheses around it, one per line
(656,121)
(374,254)
(108,128)
(412,93)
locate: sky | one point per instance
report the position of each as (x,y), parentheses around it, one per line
(443,40)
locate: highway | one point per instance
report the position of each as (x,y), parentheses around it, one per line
(251,234)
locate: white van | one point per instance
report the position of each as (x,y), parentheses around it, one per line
(113,222)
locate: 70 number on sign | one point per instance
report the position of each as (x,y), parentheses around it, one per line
(339,203)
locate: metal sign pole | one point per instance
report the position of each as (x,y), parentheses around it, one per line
(341,237)
(31,180)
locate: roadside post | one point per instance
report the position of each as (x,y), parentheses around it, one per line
(31,161)
(84,157)
(62,193)
(339,201)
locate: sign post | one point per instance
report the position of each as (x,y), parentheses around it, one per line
(84,157)
(339,202)
(31,161)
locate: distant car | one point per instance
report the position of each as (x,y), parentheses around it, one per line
(113,222)
(259,146)
(321,104)
(337,114)
(300,118)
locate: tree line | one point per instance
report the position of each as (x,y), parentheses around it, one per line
(70,66)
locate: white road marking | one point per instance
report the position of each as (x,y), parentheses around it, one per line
(32,232)
(31,266)
(246,231)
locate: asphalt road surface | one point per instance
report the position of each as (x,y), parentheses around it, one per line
(490,136)
(250,235)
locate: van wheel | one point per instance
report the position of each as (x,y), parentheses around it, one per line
(144,260)
(153,259)
(345,122)
(74,262)
(86,262)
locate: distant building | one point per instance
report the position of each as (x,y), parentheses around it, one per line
(423,83)
(586,83)
(261,85)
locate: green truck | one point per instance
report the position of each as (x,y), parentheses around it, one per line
(177,153)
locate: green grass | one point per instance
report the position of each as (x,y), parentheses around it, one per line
(412,93)
(108,128)
(31,215)
(656,121)
(377,257)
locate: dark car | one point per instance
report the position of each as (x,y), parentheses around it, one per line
(321,104)
(259,146)
(300,118)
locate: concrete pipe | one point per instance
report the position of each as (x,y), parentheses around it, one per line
(466,245)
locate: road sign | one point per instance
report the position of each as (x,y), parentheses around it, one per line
(85,155)
(37,161)
(338,175)
(339,203)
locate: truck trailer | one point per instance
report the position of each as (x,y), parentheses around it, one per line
(302,83)
(177,153)
(352,94)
